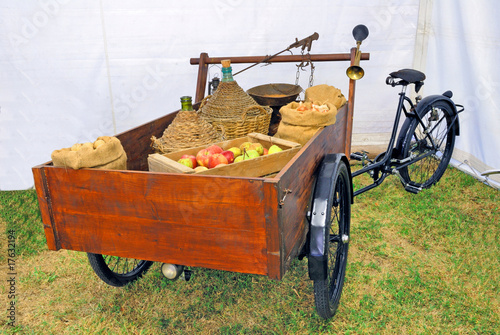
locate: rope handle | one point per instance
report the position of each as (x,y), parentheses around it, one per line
(261,109)
(222,131)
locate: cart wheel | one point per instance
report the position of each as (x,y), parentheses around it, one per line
(414,141)
(117,271)
(328,286)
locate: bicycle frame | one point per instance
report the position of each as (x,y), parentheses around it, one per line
(388,153)
(388,165)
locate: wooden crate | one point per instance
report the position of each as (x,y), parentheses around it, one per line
(243,224)
(257,167)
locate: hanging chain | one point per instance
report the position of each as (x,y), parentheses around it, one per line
(297,75)
(311,77)
(302,67)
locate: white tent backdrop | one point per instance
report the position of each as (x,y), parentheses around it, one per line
(75,70)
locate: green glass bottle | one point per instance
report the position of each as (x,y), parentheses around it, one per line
(186,103)
(227,71)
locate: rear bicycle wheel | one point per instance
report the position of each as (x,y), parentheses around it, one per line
(438,145)
(327,291)
(117,271)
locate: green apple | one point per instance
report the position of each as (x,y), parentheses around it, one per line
(236,151)
(238,159)
(250,154)
(245,146)
(187,162)
(257,147)
(274,149)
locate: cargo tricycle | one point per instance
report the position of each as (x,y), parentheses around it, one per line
(127,219)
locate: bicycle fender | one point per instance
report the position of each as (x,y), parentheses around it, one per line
(321,213)
(446,97)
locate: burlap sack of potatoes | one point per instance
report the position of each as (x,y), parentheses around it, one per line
(325,93)
(300,126)
(105,153)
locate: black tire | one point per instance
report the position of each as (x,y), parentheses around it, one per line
(117,271)
(327,291)
(424,173)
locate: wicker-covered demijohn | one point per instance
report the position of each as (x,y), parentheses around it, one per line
(236,111)
(187,130)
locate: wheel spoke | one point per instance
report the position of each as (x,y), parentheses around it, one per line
(424,169)
(335,238)
(121,265)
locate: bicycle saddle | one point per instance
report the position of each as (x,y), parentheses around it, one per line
(409,75)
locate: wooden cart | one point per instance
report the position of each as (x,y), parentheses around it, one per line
(241,224)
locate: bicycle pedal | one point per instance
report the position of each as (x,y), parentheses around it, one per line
(359,156)
(412,188)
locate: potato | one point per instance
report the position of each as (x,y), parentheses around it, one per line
(87,146)
(98,143)
(76,147)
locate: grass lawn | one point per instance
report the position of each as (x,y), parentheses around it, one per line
(418,264)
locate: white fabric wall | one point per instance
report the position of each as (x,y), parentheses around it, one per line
(74,70)
(462,56)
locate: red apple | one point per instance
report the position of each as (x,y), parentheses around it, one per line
(192,158)
(216,159)
(215,149)
(266,151)
(203,156)
(229,156)
(187,162)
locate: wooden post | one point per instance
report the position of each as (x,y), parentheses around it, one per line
(350,110)
(202,77)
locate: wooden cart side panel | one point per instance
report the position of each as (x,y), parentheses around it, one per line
(299,178)
(274,229)
(136,142)
(183,219)
(43,195)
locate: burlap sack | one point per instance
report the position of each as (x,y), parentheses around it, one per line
(105,153)
(300,126)
(325,93)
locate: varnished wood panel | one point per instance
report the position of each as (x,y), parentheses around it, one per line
(212,222)
(299,177)
(137,141)
(44,203)
(273,230)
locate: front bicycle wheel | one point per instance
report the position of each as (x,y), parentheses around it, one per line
(117,271)
(327,291)
(434,142)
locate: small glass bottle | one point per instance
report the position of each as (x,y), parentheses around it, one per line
(186,103)
(227,71)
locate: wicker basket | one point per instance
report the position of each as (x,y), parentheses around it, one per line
(237,112)
(187,130)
